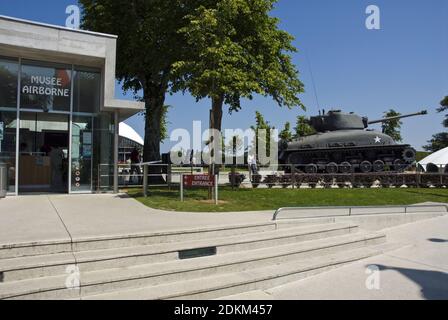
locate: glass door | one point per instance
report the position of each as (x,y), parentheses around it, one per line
(43,152)
(81,154)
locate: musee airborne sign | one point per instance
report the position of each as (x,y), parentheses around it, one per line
(46,86)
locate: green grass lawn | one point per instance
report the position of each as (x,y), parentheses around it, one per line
(265,199)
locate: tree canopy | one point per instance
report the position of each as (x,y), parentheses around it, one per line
(236,51)
(443,108)
(438,142)
(392,128)
(303,127)
(286,134)
(149,43)
(262,124)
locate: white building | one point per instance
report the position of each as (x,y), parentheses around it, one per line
(59,117)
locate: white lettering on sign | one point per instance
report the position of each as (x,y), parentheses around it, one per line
(38,81)
(49,81)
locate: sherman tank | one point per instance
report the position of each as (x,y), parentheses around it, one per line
(343,143)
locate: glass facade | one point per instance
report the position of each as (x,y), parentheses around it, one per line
(53,136)
(43,152)
(104,130)
(9,69)
(8,143)
(87,90)
(45,87)
(82,153)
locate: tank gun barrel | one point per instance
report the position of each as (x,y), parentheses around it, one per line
(421,113)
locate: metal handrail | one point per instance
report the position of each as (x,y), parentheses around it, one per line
(351,208)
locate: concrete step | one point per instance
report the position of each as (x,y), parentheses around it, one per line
(162,273)
(217,286)
(56,264)
(15,250)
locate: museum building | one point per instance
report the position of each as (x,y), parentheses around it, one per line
(59,119)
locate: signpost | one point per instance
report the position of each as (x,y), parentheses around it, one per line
(198,181)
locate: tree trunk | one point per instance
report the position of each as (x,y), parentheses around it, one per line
(215,123)
(216,118)
(154,101)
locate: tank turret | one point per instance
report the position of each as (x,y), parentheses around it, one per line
(342,144)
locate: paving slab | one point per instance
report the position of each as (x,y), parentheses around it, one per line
(30,219)
(39,218)
(419,270)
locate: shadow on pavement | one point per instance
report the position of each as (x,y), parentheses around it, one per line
(438,240)
(434,284)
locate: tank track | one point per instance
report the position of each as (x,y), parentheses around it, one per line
(392,158)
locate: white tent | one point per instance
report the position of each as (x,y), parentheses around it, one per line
(127,132)
(438,159)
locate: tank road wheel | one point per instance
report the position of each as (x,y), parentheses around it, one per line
(399,165)
(332,168)
(379,166)
(409,155)
(345,167)
(366,166)
(311,168)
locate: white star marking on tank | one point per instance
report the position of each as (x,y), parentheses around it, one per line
(377,139)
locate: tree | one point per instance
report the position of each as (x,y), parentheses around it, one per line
(392,128)
(235,146)
(444,107)
(262,124)
(163,122)
(303,127)
(149,43)
(285,134)
(236,51)
(438,142)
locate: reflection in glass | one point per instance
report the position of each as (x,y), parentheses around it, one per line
(82,143)
(103,167)
(45,87)
(43,161)
(87,90)
(9,71)
(8,132)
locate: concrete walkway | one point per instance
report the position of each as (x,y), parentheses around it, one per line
(28,219)
(418,270)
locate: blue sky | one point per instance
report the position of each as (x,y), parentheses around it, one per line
(402,66)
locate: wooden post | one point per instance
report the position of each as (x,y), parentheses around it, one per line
(216,189)
(182,187)
(145,180)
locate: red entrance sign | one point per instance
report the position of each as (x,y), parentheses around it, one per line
(199,180)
